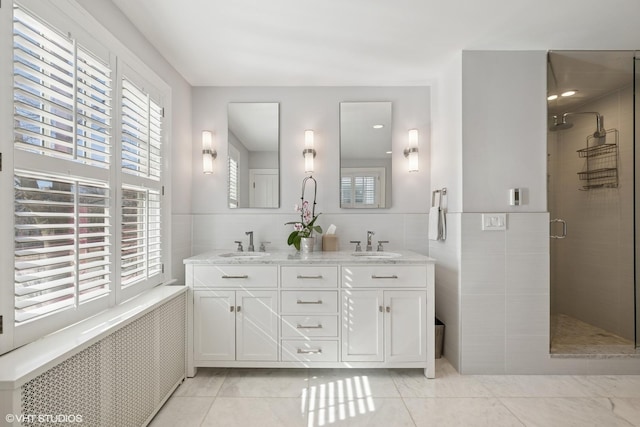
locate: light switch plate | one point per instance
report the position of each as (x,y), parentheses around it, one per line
(494,221)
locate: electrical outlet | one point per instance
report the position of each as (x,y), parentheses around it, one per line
(494,221)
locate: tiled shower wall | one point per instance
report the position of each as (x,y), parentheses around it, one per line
(592,268)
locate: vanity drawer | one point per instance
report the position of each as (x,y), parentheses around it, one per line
(309,326)
(409,276)
(309,302)
(309,351)
(309,276)
(245,276)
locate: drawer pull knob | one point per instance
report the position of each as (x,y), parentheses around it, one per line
(388,309)
(393,276)
(319,276)
(309,302)
(319,326)
(303,351)
(238,309)
(231,309)
(243,276)
(380,308)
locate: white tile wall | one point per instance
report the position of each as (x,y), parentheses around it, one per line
(180,243)
(505,289)
(219,231)
(447,255)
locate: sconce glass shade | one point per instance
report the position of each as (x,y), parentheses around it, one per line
(308,153)
(411,153)
(208,153)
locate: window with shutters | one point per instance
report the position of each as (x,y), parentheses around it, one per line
(140,240)
(62,243)
(233,177)
(141,132)
(82,190)
(141,249)
(62,95)
(362,188)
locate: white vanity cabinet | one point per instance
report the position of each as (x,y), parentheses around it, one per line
(326,310)
(388,321)
(234,314)
(235,325)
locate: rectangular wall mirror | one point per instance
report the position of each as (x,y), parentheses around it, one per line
(365,154)
(254,156)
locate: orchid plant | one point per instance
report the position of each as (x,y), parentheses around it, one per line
(306,226)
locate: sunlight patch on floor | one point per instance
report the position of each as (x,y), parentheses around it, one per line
(339,400)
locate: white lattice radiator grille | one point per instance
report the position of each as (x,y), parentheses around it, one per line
(121,380)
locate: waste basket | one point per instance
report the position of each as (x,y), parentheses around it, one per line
(439,338)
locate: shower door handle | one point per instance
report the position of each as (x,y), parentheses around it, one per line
(564,228)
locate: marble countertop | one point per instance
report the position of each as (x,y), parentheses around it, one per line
(319,257)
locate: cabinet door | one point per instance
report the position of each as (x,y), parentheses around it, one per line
(214,320)
(405,326)
(362,319)
(257,325)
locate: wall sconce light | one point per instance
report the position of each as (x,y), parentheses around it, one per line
(411,152)
(308,153)
(208,153)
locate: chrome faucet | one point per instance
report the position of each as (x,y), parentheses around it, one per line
(369,236)
(250,234)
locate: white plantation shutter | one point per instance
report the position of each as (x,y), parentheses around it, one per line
(141,262)
(233,183)
(365,189)
(141,255)
(141,132)
(62,95)
(62,247)
(361,188)
(93,110)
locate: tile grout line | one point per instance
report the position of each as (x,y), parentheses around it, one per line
(499,399)
(395,384)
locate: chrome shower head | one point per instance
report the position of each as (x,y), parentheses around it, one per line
(600,134)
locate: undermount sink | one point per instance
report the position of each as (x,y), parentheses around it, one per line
(376,254)
(243,254)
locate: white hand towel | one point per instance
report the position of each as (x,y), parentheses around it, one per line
(434,223)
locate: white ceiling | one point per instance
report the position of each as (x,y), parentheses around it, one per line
(364,42)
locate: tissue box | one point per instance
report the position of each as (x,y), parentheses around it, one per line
(329,242)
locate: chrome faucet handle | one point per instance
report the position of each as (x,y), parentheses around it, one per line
(239,245)
(358,247)
(380,247)
(369,236)
(250,234)
(263,248)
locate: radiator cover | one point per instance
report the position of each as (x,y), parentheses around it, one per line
(122,380)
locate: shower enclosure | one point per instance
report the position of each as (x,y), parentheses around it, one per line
(591,194)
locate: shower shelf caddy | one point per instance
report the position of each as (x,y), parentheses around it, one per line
(601,166)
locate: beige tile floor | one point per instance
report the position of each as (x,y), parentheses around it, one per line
(399,397)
